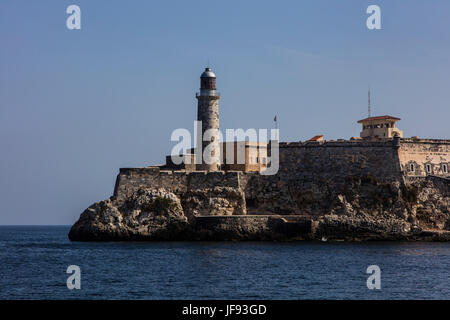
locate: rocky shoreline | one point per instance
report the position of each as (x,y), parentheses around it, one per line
(158,215)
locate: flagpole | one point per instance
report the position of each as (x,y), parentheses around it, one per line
(276,127)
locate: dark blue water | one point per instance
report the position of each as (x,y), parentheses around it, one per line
(33,263)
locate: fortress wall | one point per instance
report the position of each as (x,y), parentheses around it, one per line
(419,153)
(130,180)
(314,179)
(201,193)
(313,175)
(203,179)
(339,160)
(300,162)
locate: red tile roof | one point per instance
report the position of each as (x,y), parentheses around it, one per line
(378,118)
(316,138)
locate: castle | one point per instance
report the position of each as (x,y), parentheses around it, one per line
(414,156)
(380,152)
(379,186)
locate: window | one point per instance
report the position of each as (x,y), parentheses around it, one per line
(444,168)
(428,167)
(412,167)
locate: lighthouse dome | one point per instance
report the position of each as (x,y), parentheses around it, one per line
(208,73)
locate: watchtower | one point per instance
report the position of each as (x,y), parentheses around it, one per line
(208,114)
(381,127)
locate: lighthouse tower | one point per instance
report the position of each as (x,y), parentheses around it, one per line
(208,114)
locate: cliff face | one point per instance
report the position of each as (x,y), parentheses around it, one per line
(350,190)
(146,215)
(354,208)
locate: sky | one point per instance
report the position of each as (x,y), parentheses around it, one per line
(77,105)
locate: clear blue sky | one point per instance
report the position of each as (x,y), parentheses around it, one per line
(75,106)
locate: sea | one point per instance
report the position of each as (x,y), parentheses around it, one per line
(34,262)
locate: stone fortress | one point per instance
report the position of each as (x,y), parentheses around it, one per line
(377,186)
(417,157)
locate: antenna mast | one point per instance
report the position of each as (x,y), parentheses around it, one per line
(276,127)
(369,113)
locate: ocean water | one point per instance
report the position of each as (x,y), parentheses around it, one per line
(34,260)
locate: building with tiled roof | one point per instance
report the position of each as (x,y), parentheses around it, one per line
(380,127)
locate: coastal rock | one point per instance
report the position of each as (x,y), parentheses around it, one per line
(153,214)
(363,228)
(359,209)
(214,201)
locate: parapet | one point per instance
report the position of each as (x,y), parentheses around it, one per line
(131,179)
(338,143)
(418,140)
(140,170)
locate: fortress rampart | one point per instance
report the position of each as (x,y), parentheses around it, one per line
(202,193)
(379,186)
(310,173)
(129,180)
(298,161)
(339,159)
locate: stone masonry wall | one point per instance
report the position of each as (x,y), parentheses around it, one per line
(338,160)
(201,193)
(314,176)
(314,179)
(415,155)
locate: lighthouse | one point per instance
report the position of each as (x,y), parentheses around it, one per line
(208,119)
